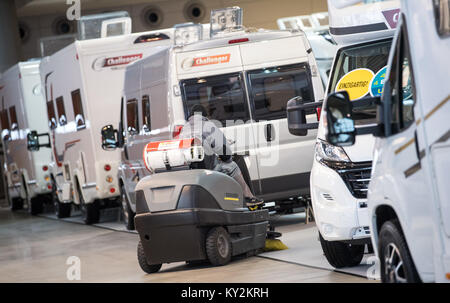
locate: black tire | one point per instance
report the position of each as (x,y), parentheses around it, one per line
(36,205)
(62,210)
(218,246)
(16,204)
(90,211)
(150,269)
(392,243)
(128,214)
(340,254)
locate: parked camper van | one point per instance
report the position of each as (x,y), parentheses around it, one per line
(340,176)
(23,106)
(409,197)
(83,83)
(243,79)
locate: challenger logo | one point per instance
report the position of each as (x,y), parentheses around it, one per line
(203,61)
(103,62)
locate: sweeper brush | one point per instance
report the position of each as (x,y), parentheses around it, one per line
(272,243)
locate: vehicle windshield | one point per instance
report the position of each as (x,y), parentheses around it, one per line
(361,71)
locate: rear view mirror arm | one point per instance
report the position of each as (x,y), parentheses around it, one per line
(306,106)
(48,145)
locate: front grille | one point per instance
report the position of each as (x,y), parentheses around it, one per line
(357,178)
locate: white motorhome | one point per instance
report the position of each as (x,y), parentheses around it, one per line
(340,175)
(83,83)
(409,197)
(316,27)
(237,75)
(22,108)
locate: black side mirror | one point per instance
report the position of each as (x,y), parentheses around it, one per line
(33,142)
(340,123)
(109,141)
(296,116)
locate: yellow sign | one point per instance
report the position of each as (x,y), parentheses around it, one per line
(356,83)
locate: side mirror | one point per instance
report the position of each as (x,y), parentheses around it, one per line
(296,116)
(340,123)
(33,143)
(109,141)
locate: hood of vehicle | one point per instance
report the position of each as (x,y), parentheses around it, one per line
(362,150)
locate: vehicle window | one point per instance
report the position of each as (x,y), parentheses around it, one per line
(78,109)
(402,86)
(442,16)
(222,96)
(393,84)
(372,60)
(146,119)
(271,89)
(132,116)
(13,118)
(406,90)
(51,115)
(62,119)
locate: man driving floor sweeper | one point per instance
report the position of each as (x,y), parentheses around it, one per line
(217,151)
(195,205)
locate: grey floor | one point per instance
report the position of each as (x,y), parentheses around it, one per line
(36,249)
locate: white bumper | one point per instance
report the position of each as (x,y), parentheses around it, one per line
(338,214)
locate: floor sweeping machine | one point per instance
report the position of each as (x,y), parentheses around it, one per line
(189,214)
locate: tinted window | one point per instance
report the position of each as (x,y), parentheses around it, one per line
(62,118)
(13,116)
(51,114)
(222,96)
(146,119)
(132,116)
(78,109)
(271,89)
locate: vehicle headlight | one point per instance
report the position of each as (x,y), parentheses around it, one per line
(327,152)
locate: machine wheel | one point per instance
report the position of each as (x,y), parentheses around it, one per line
(91,211)
(340,254)
(396,263)
(218,246)
(62,210)
(150,269)
(128,214)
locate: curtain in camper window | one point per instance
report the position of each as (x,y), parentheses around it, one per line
(78,109)
(146,119)
(5,119)
(62,118)
(13,116)
(132,117)
(51,114)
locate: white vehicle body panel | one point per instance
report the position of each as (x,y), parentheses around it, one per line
(20,88)
(95,68)
(411,168)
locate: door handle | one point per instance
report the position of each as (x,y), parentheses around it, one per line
(269,132)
